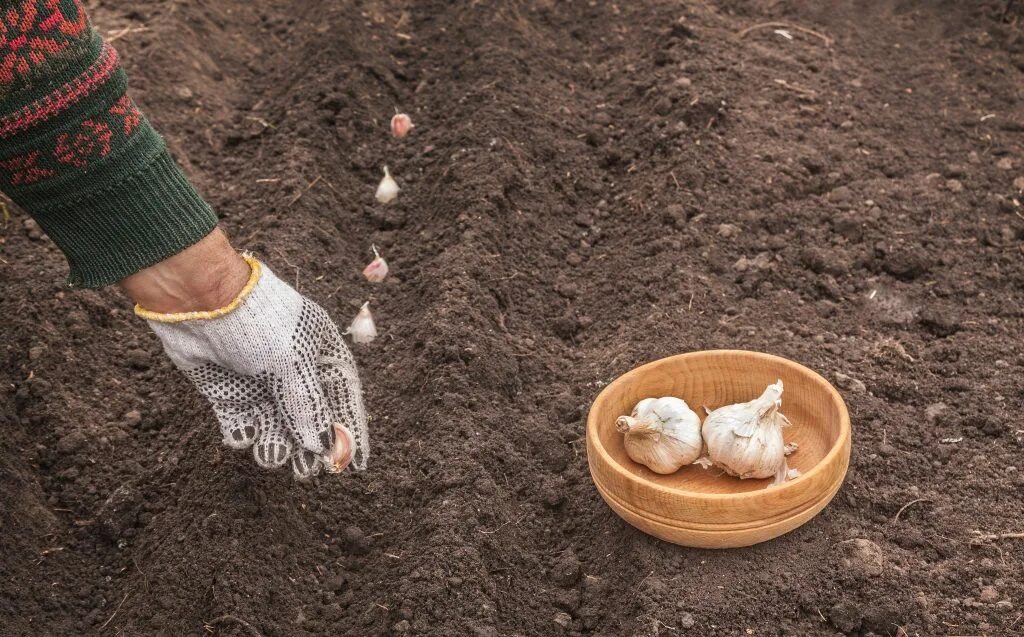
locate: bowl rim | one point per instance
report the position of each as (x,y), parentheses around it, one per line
(842,442)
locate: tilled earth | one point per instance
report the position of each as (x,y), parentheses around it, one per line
(590,185)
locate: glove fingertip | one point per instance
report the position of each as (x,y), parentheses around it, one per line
(305,464)
(271,455)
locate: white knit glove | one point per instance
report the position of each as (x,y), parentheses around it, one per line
(277,372)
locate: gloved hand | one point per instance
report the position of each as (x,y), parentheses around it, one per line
(277,372)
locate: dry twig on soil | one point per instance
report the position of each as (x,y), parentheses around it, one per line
(126,31)
(785,25)
(308,186)
(906,506)
(797,89)
(111,618)
(992,537)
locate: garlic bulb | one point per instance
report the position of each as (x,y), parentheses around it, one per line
(388,188)
(362,328)
(663,434)
(745,439)
(377,269)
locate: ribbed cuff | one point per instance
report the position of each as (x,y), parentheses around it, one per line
(142,219)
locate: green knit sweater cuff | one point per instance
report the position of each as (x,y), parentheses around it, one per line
(138,218)
(77,155)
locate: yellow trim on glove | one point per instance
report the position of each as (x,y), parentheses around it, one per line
(178,317)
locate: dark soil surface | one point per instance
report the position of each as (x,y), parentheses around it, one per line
(590,185)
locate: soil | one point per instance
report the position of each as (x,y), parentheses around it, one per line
(589,186)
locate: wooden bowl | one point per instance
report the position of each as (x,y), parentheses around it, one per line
(704,507)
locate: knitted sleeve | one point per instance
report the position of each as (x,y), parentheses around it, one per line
(76,153)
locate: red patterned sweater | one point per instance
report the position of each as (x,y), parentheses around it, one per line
(76,153)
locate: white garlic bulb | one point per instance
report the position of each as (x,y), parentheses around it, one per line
(745,439)
(663,434)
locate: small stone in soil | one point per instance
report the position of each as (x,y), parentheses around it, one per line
(354,541)
(933,412)
(566,572)
(850,383)
(119,512)
(727,230)
(863,556)
(335,583)
(563,619)
(71,442)
(675,215)
(849,227)
(845,616)
(989,595)
(583,220)
(954,171)
(596,138)
(567,600)
(842,194)
(138,359)
(686,621)
(32,229)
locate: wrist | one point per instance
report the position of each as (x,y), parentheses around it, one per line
(204,277)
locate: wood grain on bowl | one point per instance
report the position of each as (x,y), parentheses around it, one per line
(704,507)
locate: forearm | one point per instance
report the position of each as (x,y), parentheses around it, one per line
(204,277)
(77,154)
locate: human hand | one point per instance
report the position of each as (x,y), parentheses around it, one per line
(271,362)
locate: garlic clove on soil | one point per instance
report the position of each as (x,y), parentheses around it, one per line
(340,455)
(401,124)
(745,439)
(388,188)
(362,328)
(663,434)
(377,269)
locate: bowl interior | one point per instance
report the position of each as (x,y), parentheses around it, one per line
(714,379)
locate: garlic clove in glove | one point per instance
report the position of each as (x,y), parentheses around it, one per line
(340,454)
(745,439)
(662,434)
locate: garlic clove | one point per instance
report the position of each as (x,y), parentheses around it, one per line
(377,269)
(362,328)
(388,188)
(401,124)
(340,455)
